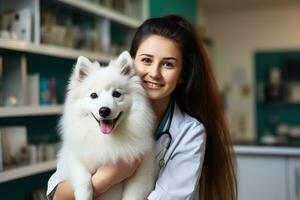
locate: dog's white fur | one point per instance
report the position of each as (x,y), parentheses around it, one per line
(85,148)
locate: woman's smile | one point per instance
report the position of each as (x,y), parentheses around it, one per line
(152,85)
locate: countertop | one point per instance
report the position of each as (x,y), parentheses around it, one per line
(273,150)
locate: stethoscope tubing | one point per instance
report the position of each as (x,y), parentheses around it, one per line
(162,161)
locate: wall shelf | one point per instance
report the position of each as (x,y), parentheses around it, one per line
(52,50)
(25,111)
(102,12)
(24,171)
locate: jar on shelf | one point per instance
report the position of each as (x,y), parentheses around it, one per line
(274,91)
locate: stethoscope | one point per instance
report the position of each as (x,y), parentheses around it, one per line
(166,139)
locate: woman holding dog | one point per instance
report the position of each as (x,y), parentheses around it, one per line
(198,162)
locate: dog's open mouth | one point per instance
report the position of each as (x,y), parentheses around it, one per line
(107,125)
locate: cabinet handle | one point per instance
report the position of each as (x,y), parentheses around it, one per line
(297,182)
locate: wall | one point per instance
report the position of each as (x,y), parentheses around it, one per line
(185,8)
(237,34)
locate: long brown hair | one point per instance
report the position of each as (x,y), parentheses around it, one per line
(198,96)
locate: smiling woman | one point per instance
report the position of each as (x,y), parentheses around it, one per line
(173,64)
(158,61)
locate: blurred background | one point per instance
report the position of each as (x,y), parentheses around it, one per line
(254,46)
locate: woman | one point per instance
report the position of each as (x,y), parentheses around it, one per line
(197,160)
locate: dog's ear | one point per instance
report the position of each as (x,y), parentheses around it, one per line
(82,68)
(125,62)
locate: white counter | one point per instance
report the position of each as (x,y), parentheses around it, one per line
(268,172)
(266,150)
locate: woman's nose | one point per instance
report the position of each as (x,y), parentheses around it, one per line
(155,71)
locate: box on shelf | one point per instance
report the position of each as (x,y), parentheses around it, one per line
(52,90)
(53,34)
(47,91)
(33,89)
(14,80)
(14,143)
(17,24)
(294,94)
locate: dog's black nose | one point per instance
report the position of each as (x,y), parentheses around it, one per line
(104,112)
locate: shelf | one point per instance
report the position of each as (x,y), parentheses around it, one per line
(23,111)
(102,12)
(278,104)
(29,170)
(52,50)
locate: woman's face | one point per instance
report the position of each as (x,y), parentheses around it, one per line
(158,61)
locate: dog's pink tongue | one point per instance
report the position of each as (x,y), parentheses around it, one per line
(106,126)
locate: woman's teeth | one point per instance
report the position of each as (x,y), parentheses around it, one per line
(153,85)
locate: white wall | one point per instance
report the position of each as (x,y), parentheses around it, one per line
(237,34)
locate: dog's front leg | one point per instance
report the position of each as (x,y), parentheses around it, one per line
(141,183)
(80,179)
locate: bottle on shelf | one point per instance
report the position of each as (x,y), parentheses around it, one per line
(274,91)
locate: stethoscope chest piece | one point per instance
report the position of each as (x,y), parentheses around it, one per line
(162,163)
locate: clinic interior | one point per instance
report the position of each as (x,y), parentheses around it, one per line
(254,48)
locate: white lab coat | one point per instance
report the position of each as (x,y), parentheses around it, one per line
(179,178)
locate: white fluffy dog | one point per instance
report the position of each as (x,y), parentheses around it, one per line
(106,118)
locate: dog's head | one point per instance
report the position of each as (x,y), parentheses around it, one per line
(102,93)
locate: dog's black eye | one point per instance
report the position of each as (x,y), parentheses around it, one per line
(94,95)
(116,94)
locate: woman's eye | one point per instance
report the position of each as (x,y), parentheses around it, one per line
(146,60)
(94,95)
(116,94)
(168,64)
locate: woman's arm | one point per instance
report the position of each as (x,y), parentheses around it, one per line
(105,177)
(63,191)
(109,175)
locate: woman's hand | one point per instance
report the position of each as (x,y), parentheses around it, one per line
(63,191)
(109,175)
(105,177)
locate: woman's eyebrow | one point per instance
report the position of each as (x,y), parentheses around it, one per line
(165,58)
(144,54)
(170,58)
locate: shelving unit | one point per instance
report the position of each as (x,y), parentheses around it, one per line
(51,60)
(269,115)
(19,172)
